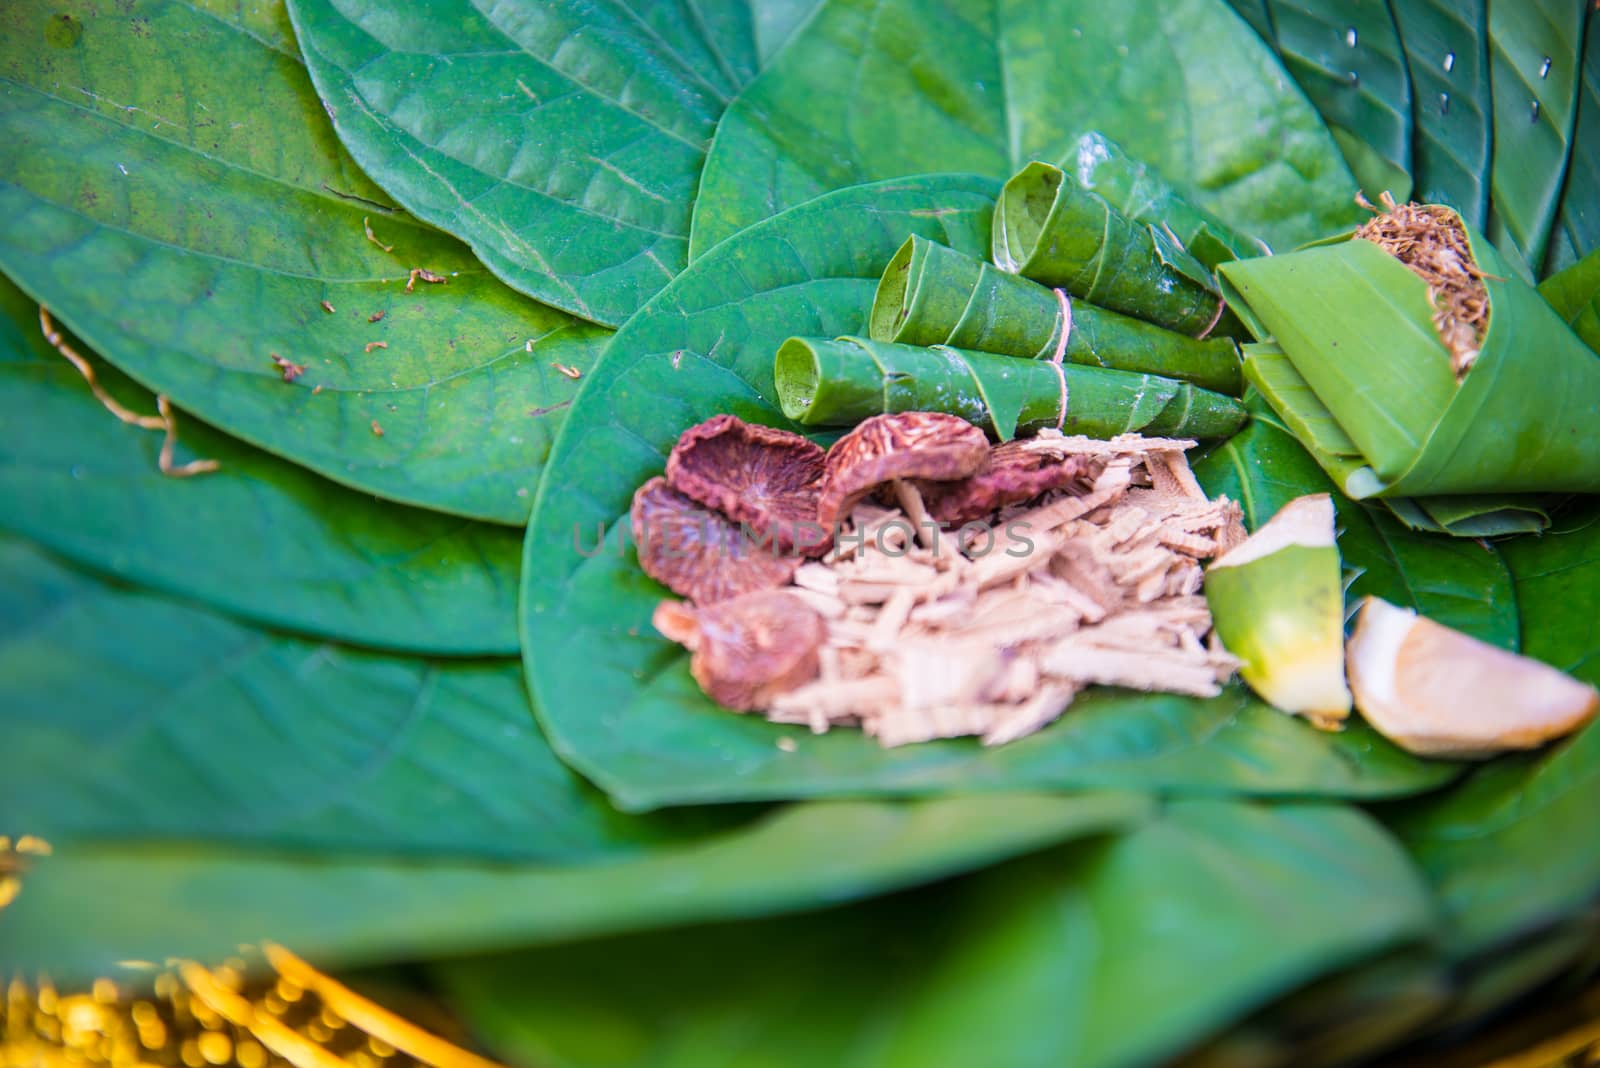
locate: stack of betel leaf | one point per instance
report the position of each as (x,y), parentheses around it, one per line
(869,532)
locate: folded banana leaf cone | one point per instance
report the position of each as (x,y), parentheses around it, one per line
(841,381)
(931,294)
(1420,370)
(1051,229)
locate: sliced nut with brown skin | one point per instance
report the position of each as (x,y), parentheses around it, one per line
(749,650)
(929,446)
(697,553)
(761,476)
(1436,692)
(1016,473)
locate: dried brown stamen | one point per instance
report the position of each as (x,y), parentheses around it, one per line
(1431,240)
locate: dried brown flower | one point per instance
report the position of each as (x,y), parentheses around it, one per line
(1017,472)
(698,553)
(750,649)
(924,446)
(763,477)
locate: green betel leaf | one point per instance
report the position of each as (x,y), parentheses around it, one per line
(1534,48)
(1575,295)
(1447,56)
(173,192)
(1458,583)
(130,716)
(1347,57)
(1577,229)
(563,140)
(1056,961)
(90,906)
(259,537)
(617,700)
(873,89)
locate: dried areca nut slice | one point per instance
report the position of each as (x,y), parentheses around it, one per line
(1277,603)
(760,476)
(697,553)
(924,446)
(1016,473)
(749,650)
(1437,692)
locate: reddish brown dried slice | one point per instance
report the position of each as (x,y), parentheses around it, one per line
(697,553)
(1016,473)
(761,476)
(925,446)
(749,650)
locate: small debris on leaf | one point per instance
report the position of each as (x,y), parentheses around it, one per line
(366,224)
(290,369)
(425,275)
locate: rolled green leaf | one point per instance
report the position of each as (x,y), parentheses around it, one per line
(1359,374)
(1133,188)
(934,295)
(1050,229)
(841,381)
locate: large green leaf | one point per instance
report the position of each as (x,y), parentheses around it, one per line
(1577,229)
(88,907)
(1447,55)
(1114,953)
(618,701)
(130,716)
(873,89)
(173,191)
(1534,49)
(1347,57)
(1459,582)
(260,537)
(1509,849)
(563,140)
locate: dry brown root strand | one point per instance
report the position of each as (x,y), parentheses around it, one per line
(47,327)
(193,467)
(165,421)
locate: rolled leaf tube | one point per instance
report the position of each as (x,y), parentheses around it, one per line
(1141,194)
(1050,229)
(934,295)
(841,381)
(1360,374)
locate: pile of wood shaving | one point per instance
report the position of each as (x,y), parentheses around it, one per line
(925,640)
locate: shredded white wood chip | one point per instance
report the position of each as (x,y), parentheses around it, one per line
(931,634)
